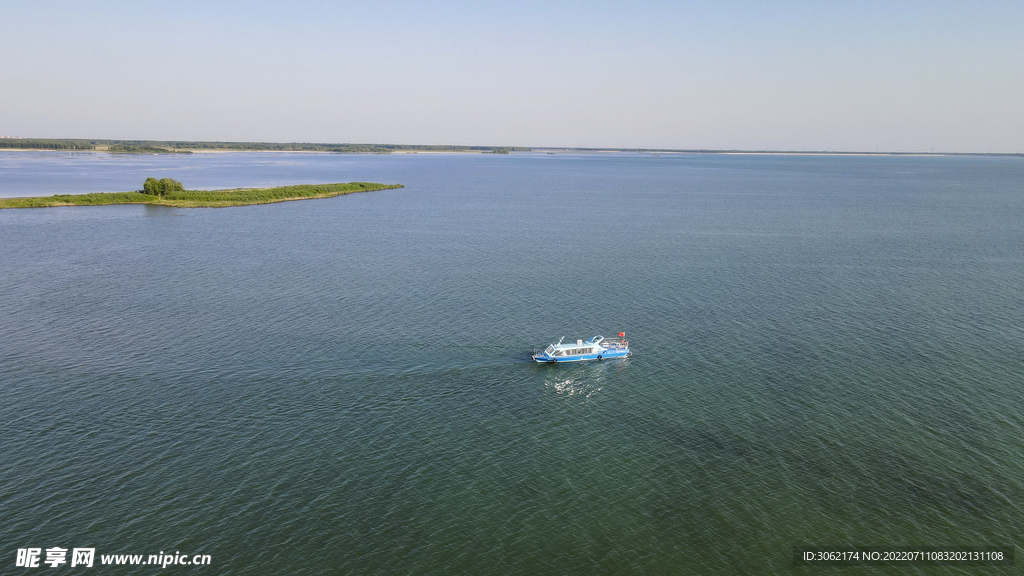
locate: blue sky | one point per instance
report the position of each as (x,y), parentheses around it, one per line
(820,75)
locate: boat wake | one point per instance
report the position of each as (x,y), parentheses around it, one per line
(573,387)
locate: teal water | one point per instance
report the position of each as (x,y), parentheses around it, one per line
(828,350)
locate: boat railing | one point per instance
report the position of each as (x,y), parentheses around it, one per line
(614,343)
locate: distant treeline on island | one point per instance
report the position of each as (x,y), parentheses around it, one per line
(125,149)
(179,146)
(40,144)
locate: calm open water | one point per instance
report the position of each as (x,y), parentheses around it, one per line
(828,350)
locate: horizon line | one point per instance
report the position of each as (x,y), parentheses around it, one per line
(471,147)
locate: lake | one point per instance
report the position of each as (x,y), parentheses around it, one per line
(827,350)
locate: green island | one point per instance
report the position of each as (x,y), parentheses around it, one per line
(167,192)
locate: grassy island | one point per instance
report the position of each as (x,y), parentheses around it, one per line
(200,198)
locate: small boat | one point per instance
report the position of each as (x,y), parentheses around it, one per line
(597,348)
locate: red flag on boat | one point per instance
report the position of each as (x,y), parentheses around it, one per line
(622,334)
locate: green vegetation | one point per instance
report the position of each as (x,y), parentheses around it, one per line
(162,187)
(128,149)
(46,144)
(77,200)
(178,197)
(285,147)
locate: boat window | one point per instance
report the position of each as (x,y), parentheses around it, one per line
(578,351)
(549,350)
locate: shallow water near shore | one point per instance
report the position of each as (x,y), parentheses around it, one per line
(827,350)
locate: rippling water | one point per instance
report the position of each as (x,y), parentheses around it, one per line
(827,350)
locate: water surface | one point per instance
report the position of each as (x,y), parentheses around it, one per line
(827,350)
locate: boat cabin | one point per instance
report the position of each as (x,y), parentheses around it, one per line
(597,348)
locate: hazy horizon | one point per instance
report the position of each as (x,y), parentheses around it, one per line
(918,77)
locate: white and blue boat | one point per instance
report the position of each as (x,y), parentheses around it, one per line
(597,348)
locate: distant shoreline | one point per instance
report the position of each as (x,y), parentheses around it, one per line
(172,146)
(209,147)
